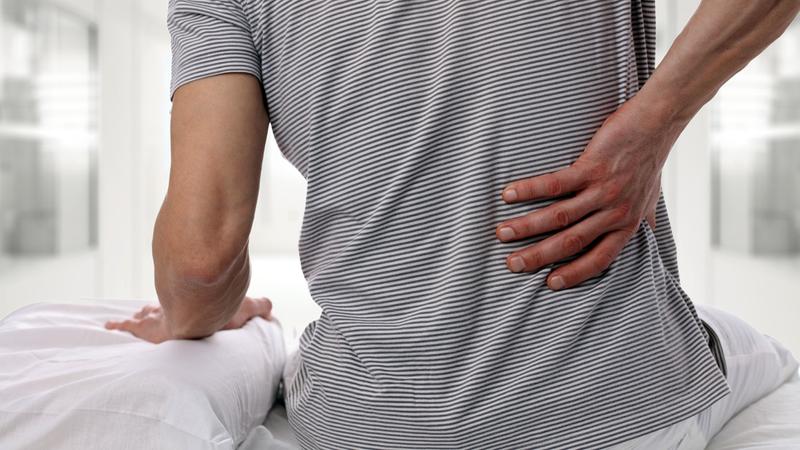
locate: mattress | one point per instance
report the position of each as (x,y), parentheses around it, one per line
(67,383)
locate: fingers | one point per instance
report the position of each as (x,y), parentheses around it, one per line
(651,219)
(553,217)
(650,214)
(561,245)
(147,309)
(264,307)
(124,325)
(591,264)
(551,184)
(249,308)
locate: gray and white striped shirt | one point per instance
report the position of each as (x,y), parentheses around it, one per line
(407,118)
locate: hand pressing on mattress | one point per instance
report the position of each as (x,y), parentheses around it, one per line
(149,323)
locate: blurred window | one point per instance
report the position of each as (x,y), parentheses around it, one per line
(755,138)
(48,132)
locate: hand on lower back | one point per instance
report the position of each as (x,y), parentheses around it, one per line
(616,183)
(149,323)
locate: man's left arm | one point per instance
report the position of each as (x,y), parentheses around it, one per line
(616,180)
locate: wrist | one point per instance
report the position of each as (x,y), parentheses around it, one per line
(666,105)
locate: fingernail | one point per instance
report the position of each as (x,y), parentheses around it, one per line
(516,264)
(556,282)
(510,195)
(506,233)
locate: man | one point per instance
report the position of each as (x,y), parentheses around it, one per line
(454,316)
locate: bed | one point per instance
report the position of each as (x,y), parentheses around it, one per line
(67,383)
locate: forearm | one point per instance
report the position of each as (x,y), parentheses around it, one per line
(719,40)
(200,284)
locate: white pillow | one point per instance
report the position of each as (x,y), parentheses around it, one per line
(68,383)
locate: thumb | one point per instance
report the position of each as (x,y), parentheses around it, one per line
(651,219)
(650,214)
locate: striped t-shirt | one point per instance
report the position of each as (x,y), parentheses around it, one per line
(407,118)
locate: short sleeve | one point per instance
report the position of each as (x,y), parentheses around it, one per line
(209,37)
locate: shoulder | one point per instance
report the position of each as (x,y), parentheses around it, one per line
(229,10)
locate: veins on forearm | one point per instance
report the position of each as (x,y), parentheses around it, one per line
(718,41)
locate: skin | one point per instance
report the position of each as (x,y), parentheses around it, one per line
(219,127)
(149,323)
(616,181)
(202,269)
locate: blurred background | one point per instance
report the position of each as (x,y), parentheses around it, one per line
(84,159)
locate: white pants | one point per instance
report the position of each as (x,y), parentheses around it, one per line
(756,365)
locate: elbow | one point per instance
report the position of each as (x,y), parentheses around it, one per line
(195,291)
(188,314)
(196,265)
(198,270)
(201,253)
(203,272)
(189,285)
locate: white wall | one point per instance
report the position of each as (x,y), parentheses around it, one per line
(134,128)
(134,157)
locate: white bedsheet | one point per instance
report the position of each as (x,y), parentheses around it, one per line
(67,383)
(770,423)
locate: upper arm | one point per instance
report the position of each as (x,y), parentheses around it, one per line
(218,130)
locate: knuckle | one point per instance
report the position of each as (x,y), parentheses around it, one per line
(625,207)
(561,218)
(611,191)
(573,243)
(526,225)
(553,185)
(532,258)
(631,229)
(524,189)
(602,261)
(598,170)
(621,213)
(616,217)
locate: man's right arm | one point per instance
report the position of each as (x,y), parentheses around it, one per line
(202,269)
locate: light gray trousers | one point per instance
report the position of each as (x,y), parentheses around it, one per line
(756,364)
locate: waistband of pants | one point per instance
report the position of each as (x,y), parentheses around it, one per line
(716,348)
